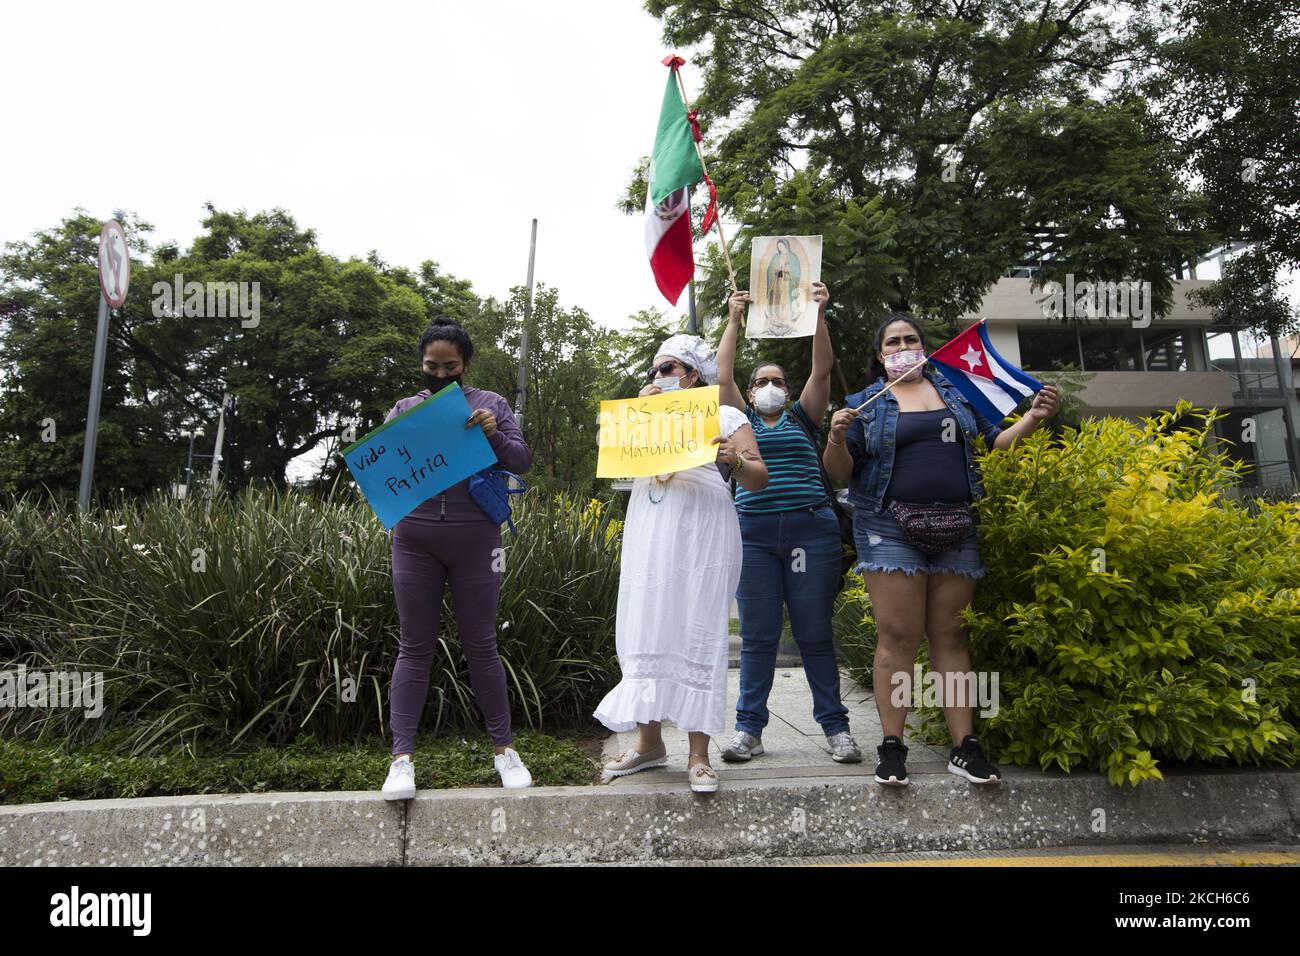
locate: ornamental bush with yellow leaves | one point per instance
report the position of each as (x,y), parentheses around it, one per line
(1136,613)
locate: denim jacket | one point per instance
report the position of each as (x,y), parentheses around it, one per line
(870,440)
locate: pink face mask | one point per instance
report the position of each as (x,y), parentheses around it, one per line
(896,363)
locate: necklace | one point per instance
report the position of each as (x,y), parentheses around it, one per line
(656,480)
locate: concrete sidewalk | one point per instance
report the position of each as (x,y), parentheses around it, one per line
(793,742)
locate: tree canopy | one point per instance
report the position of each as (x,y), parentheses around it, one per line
(335,343)
(939,144)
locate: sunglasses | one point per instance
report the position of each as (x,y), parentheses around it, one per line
(665,369)
(762,382)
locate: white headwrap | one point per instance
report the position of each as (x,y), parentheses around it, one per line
(693,351)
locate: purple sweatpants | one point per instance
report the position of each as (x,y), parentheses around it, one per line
(425,555)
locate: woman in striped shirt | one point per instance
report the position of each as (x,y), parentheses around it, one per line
(791,541)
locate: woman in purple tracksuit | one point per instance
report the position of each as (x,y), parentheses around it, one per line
(448,540)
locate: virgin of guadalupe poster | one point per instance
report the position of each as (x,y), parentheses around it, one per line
(782,270)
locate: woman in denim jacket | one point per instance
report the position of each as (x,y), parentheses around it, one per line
(913,444)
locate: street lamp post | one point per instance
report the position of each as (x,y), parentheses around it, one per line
(189,458)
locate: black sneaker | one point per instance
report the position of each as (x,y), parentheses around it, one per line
(891,770)
(969,761)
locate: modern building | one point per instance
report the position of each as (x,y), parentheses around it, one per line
(1145,364)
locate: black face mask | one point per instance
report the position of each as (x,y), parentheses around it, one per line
(436,383)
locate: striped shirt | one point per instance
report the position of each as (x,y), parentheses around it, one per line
(794,478)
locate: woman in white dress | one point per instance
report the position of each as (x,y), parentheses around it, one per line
(679,572)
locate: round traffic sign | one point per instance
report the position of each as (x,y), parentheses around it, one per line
(114,263)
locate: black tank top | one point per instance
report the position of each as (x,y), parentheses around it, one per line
(928,469)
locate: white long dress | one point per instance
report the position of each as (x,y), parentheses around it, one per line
(679,572)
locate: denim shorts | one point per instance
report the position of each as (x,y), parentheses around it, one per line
(883,546)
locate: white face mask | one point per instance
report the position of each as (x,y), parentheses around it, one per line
(769,398)
(669,384)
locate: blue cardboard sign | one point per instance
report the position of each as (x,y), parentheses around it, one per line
(423,451)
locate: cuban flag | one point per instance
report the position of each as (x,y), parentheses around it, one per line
(985,378)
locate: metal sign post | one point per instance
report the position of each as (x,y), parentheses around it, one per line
(216,450)
(114,277)
(521,390)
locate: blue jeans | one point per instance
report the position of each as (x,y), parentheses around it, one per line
(774,574)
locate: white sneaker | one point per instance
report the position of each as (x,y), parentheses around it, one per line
(514,775)
(743,746)
(400,784)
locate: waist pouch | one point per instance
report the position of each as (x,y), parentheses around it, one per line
(488,489)
(934,528)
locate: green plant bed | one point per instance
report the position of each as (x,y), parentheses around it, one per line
(33,772)
(275,618)
(855,630)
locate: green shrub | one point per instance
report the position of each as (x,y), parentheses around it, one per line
(275,618)
(855,629)
(1132,611)
(1134,614)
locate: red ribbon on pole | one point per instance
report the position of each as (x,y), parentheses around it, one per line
(673,61)
(692,118)
(710,214)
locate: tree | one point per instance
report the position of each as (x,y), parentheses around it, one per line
(569,371)
(49,301)
(1246,296)
(939,143)
(1227,83)
(331,344)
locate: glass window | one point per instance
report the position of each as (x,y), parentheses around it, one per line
(1110,350)
(1048,350)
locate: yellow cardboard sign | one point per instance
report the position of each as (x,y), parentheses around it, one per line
(658,434)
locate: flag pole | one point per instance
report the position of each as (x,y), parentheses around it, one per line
(722,238)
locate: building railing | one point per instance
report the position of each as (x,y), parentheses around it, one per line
(1251,384)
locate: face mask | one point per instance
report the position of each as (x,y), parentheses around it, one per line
(769,398)
(669,384)
(898,362)
(436,383)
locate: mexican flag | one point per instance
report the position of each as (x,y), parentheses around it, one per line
(674,168)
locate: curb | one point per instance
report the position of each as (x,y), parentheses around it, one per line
(648,821)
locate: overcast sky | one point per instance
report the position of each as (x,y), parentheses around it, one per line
(431,130)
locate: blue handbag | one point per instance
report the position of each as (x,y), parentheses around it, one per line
(489,490)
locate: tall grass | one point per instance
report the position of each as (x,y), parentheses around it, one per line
(274,617)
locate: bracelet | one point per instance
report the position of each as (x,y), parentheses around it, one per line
(738,467)
(832,440)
